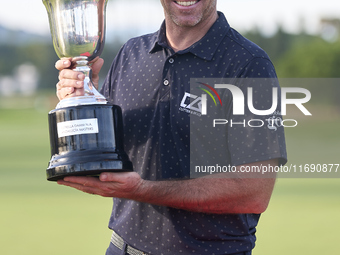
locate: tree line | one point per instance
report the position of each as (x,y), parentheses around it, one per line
(294,56)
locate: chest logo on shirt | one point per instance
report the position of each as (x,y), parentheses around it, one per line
(191,104)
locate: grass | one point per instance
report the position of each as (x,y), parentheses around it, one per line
(37,216)
(40,217)
(302,217)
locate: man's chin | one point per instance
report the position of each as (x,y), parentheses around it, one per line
(187,22)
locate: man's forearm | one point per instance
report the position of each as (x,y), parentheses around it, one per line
(218,194)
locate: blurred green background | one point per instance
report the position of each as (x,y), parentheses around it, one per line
(39,217)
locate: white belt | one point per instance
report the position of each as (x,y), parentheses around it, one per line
(117,241)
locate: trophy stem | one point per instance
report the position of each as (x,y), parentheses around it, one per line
(91,95)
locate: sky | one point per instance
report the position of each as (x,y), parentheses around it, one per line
(144,16)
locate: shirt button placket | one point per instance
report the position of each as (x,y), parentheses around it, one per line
(166,81)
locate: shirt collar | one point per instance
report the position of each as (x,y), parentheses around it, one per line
(204,48)
(159,41)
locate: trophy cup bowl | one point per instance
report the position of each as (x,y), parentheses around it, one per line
(86,132)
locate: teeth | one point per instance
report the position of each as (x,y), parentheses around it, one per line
(187,3)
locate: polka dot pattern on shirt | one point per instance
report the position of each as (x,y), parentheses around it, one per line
(149,81)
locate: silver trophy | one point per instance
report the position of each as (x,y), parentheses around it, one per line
(86,131)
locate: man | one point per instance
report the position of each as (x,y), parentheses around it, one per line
(157,208)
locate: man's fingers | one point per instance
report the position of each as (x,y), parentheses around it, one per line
(66,83)
(63,63)
(113,177)
(80,180)
(91,185)
(62,93)
(70,83)
(71,91)
(87,188)
(71,75)
(97,65)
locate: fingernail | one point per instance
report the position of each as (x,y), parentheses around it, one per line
(79,83)
(65,62)
(81,76)
(103,177)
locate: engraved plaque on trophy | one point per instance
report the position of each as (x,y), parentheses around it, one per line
(86,132)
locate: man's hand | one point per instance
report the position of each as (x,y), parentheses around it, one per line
(71,83)
(122,185)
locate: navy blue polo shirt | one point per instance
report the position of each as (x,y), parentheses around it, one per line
(148,80)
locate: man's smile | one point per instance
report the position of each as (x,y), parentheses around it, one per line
(190,3)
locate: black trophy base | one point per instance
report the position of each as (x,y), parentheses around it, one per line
(86,141)
(90,168)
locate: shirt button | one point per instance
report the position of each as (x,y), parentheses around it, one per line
(166,82)
(171,60)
